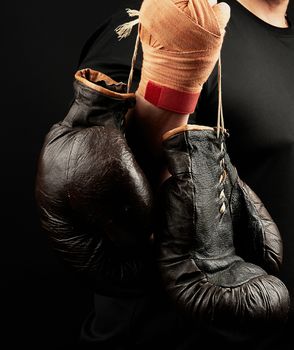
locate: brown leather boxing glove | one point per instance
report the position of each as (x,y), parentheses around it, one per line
(204,208)
(94,201)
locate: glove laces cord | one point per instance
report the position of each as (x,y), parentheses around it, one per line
(123,31)
(220,115)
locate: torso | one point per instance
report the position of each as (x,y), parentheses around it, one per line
(258,100)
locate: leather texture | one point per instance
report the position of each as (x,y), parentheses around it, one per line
(205,214)
(94,201)
(256,236)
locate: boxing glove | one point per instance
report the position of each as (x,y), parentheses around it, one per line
(94,201)
(199,209)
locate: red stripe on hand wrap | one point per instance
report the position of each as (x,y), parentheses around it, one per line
(170,99)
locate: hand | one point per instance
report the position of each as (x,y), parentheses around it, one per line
(181,42)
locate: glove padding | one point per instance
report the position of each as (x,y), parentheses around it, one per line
(256,236)
(94,200)
(198,225)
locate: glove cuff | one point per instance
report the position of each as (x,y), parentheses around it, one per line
(184,128)
(99,100)
(103,84)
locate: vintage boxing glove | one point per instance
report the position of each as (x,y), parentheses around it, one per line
(94,200)
(201,209)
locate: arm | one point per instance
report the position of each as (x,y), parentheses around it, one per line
(174,69)
(146,124)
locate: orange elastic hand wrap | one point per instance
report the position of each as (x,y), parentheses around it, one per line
(181,42)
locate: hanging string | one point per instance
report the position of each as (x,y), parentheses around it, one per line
(123,31)
(134,59)
(220,114)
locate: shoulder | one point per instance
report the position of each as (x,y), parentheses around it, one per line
(290,11)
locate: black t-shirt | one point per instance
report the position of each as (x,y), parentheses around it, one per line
(258,101)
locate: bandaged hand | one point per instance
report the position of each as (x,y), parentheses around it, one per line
(181,42)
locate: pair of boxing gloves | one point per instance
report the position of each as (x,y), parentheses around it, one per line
(217,248)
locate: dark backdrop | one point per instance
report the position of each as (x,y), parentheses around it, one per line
(42,304)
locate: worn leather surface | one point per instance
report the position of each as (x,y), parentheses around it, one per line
(206,276)
(256,235)
(94,201)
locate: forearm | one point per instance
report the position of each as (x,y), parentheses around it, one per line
(146,124)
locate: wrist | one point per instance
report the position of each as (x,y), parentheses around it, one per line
(167,98)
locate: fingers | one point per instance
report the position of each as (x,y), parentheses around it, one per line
(223,13)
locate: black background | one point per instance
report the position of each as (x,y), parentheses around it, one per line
(42,304)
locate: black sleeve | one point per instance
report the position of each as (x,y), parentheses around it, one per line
(104,52)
